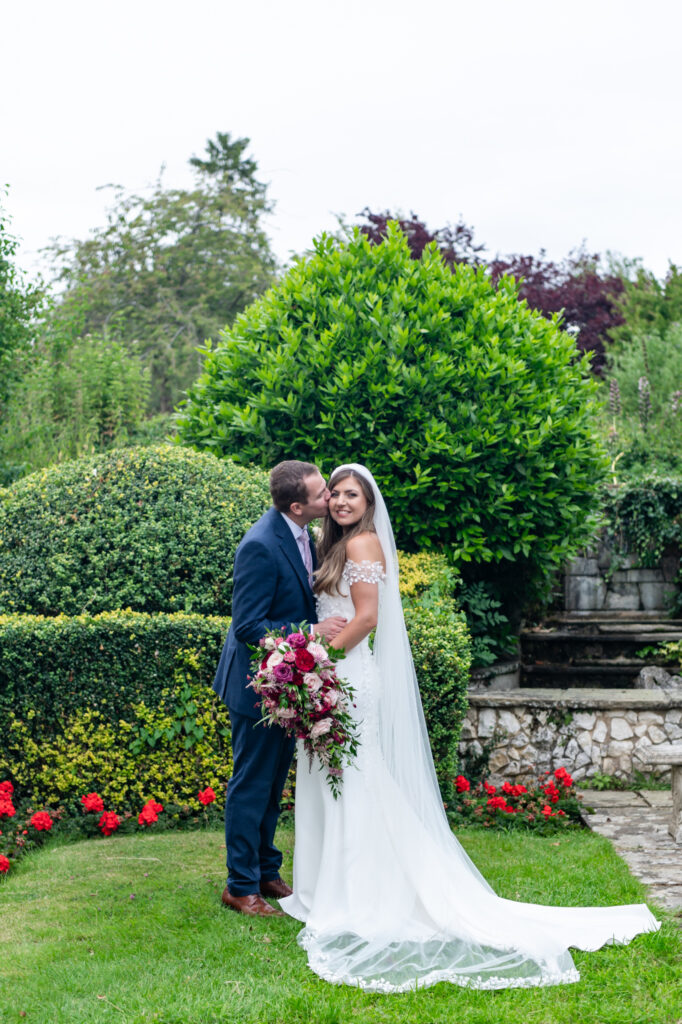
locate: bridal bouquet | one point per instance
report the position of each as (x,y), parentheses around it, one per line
(301,692)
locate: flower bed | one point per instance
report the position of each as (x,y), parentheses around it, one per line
(550,805)
(22,828)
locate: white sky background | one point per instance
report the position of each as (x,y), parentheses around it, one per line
(541,124)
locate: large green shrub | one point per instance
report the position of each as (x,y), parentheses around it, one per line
(473,412)
(153,529)
(120,702)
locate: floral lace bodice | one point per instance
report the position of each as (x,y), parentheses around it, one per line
(341,603)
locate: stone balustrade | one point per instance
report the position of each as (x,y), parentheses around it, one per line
(531,731)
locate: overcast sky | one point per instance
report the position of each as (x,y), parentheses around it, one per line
(541,124)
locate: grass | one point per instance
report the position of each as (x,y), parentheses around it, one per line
(130,930)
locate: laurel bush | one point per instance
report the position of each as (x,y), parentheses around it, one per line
(473,412)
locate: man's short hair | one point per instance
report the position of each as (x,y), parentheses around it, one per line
(287,483)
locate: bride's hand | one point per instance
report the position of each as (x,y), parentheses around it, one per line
(330,627)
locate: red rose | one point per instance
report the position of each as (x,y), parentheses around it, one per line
(4,864)
(92,802)
(156,808)
(497,802)
(490,790)
(41,821)
(206,796)
(462,784)
(109,822)
(6,807)
(6,787)
(304,660)
(547,811)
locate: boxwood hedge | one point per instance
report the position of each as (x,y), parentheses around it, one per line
(152,529)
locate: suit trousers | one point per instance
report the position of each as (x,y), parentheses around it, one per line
(262,756)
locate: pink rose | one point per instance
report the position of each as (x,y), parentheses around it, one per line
(274,659)
(297,640)
(290,657)
(321,728)
(312,681)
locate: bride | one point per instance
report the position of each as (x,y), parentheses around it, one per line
(389,899)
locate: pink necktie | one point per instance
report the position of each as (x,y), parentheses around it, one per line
(303,540)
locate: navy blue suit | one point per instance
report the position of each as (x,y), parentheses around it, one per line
(270,590)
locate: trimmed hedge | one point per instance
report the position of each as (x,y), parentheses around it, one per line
(153,529)
(120,702)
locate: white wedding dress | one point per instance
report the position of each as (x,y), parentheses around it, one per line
(389,899)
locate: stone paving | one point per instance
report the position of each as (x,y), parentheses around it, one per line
(636,822)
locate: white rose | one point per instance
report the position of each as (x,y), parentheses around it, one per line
(269,644)
(274,659)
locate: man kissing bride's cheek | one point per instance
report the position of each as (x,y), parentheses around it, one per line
(407,907)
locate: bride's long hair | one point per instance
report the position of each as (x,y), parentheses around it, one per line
(331,549)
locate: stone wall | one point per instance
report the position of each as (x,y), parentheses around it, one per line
(598,581)
(585,731)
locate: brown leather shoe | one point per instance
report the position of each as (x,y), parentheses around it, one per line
(253,905)
(275,889)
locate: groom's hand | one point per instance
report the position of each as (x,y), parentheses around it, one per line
(331,627)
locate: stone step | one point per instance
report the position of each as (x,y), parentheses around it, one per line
(621,674)
(563,646)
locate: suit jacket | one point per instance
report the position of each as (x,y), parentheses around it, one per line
(270,590)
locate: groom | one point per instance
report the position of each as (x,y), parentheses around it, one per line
(273,575)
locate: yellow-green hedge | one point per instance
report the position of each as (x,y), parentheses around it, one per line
(120,703)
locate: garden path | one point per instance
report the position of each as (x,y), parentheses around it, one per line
(636,822)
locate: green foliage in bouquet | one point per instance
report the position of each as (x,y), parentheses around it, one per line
(474,413)
(151,529)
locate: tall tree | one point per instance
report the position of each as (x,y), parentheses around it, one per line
(18,303)
(172,268)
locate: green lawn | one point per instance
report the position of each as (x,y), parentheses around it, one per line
(131,930)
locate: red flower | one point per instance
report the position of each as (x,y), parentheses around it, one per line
(462,784)
(490,790)
(551,791)
(150,813)
(41,821)
(547,811)
(497,802)
(304,660)
(4,864)
(206,796)
(6,807)
(92,802)
(109,822)
(6,787)
(513,790)
(562,776)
